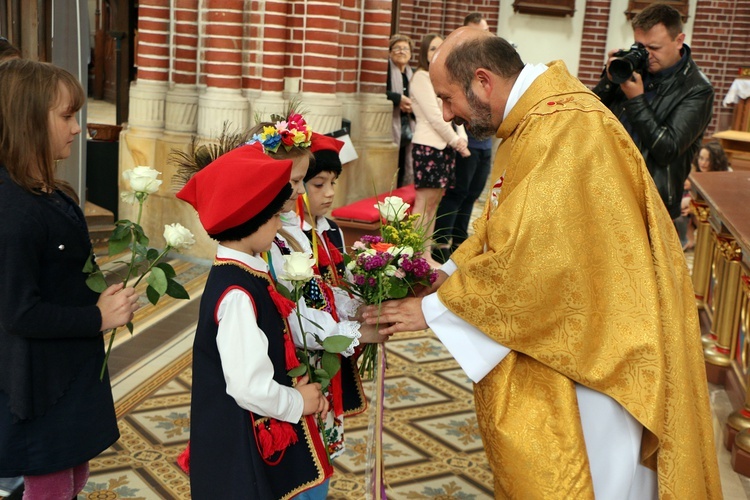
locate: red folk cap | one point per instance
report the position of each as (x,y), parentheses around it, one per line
(322,142)
(235,187)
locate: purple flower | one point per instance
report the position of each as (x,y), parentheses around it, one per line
(359,280)
(372,282)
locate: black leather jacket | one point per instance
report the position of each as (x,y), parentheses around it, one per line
(669,130)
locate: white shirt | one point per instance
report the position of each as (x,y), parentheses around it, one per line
(243,349)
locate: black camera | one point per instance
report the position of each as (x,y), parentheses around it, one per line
(627,62)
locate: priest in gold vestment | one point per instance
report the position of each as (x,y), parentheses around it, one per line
(571,306)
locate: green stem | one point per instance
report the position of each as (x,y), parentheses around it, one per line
(106,356)
(321,426)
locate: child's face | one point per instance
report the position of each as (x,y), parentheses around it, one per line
(262,239)
(320,191)
(63,127)
(299,170)
(704,160)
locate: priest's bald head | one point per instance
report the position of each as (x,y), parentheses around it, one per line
(473,72)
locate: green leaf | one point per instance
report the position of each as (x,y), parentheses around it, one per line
(336,343)
(168,270)
(140,235)
(283,291)
(129,324)
(298,371)
(175,290)
(322,377)
(118,245)
(152,295)
(398,288)
(158,280)
(96,282)
(90,265)
(152,254)
(122,230)
(331,363)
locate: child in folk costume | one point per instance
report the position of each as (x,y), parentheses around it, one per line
(253,430)
(327,309)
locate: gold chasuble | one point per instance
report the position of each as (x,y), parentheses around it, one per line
(577,267)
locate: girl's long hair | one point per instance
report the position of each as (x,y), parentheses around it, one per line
(30,90)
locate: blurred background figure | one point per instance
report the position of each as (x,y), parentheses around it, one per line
(710,158)
(435,142)
(454,210)
(400,48)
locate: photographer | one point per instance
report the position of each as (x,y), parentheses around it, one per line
(666,104)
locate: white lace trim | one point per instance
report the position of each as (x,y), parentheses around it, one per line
(346,306)
(350,329)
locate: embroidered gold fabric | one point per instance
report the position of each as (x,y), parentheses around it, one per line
(580,272)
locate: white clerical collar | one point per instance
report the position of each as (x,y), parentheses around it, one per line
(254,261)
(526,77)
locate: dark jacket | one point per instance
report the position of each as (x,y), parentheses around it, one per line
(669,130)
(54,411)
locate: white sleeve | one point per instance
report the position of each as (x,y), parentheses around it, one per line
(321,324)
(248,371)
(474,351)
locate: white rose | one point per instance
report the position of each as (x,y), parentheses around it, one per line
(177,236)
(143,179)
(298,267)
(392,208)
(401,251)
(351,265)
(390,270)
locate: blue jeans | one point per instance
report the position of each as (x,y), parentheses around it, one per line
(454,211)
(320,492)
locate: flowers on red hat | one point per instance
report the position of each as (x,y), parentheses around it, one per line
(289,132)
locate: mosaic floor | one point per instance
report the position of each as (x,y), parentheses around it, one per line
(431,441)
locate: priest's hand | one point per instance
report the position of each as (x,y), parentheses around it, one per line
(404,315)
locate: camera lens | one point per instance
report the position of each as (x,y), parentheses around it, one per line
(620,70)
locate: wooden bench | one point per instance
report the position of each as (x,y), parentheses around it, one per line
(362,217)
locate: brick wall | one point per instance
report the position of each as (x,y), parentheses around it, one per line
(594,40)
(721,45)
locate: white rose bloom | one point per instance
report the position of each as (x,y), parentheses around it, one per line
(177,236)
(390,270)
(298,267)
(401,251)
(392,208)
(370,251)
(143,179)
(351,265)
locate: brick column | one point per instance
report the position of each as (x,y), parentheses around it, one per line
(272,60)
(223,25)
(594,41)
(148,92)
(182,98)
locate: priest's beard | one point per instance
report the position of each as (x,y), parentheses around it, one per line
(480,123)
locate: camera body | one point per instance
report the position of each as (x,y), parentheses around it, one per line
(627,62)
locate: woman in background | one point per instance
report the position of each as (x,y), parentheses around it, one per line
(397,90)
(434,145)
(55,412)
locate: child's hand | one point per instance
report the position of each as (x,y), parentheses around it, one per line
(117,305)
(370,334)
(315,401)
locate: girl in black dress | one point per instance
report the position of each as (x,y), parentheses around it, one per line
(55,413)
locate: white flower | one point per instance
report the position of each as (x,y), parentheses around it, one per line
(358,245)
(351,265)
(298,267)
(142,179)
(128,197)
(390,270)
(392,208)
(178,236)
(401,251)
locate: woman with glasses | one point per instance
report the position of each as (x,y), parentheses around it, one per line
(397,89)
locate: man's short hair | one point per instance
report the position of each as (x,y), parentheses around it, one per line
(473,18)
(659,13)
(493,53)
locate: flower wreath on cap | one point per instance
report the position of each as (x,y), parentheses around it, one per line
(289,132)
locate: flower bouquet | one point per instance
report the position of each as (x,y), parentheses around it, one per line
(389,266)
(144,261)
